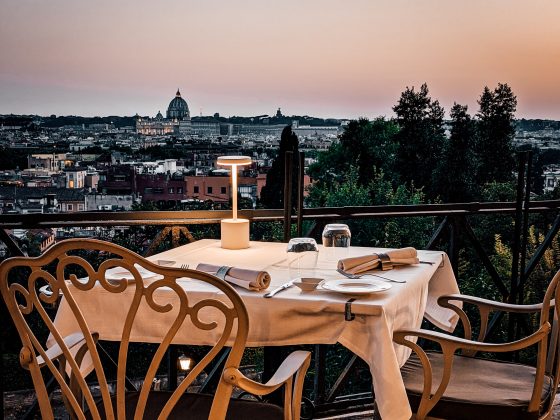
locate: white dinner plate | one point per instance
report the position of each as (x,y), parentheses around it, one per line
(356,286)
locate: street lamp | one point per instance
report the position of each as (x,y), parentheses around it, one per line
(234,231)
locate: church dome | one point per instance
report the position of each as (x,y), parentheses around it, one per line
(178,108)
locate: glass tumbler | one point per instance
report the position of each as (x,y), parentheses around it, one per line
(302,257)
(336,241)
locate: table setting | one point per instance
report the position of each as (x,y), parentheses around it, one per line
(310,300)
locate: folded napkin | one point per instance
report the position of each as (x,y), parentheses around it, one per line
(249,279)
(364,263)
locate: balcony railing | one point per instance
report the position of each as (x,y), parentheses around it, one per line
(452,224)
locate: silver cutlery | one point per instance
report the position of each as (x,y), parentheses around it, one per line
(358,276)
(279,289)
(184,266)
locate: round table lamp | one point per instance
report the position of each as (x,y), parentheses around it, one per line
(234,231)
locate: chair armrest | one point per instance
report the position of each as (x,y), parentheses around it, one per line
(491,304)
(296,363)
(452,343)
(485,307)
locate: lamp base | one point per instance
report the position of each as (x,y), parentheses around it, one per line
(235,233)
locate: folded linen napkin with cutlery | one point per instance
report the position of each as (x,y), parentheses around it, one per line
(384,261)
(248,279)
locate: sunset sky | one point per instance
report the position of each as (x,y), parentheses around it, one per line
(327,58)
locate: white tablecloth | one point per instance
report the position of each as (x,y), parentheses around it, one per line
(293,316)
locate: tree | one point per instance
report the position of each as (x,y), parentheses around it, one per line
(496,131)
(372,147)
(272,194)
(368,146)
(455,177)
(396,232)
(421,138)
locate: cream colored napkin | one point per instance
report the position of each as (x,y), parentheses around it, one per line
(249,279)
(365,263)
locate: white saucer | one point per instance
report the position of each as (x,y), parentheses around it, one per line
(356,286)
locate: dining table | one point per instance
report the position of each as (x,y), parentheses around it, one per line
(297,317)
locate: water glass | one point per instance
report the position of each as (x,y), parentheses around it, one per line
(302,257)
(336,241)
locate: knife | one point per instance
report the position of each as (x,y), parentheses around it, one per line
(279,289)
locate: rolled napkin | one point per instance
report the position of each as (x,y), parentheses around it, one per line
(356,265)
(249,279)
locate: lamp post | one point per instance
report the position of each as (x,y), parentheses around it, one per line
(234,231)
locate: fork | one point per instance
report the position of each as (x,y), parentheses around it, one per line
(358,276)
(184,266)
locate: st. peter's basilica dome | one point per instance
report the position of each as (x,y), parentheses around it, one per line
(178,108)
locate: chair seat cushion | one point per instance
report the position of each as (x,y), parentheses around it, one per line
(478,388)
(192,406)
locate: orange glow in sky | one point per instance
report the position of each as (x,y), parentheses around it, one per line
(328,58)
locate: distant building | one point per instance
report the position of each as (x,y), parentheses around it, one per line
(71,200)
(52,162)
(25,200)
(117,179)
(551,177)
(161,188)
(307,130)
(217,188)
(96,202)
(75,177)
(206,126)
(177,121)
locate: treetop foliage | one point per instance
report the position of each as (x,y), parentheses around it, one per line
(414,149)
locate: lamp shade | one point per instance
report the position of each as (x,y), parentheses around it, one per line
(234,160)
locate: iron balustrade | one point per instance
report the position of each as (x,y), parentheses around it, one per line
(454,223)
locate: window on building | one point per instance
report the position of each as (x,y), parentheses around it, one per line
(69,207)
(196,189)
(80,207)
(223,190)
(170,190)
(209,190)
(179,190)
(158,190)
(148,190)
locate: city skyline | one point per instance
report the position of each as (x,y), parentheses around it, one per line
(323,58)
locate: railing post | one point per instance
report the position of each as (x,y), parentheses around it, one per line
(172,367)
(319,378)
(525,238)
(516,241)
(453,246)
(288,164)
(301,185)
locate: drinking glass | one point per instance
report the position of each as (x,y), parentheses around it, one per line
(302,257)
(336,241)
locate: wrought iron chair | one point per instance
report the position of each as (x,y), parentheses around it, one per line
(227,325)
(471,387)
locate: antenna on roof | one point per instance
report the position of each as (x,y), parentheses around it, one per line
(201,111)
